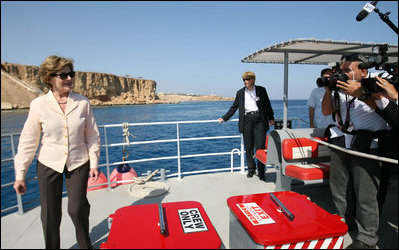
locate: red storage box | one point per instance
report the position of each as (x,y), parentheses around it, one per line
(257,221)
(138,226)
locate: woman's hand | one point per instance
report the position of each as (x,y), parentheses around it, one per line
(94,174)
(20,187)
(390,90)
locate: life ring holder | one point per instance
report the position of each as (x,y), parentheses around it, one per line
(126,134)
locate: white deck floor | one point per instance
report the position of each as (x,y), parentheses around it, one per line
(211,190)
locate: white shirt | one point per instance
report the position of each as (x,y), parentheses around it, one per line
(250,100)
(362,117)
(315,101)
(67,139)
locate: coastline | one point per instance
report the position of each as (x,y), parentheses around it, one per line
(162,98)
(20,84)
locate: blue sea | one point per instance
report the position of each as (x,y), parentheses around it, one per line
(13,121)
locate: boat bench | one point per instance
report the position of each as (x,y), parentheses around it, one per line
(303,160)
(297,154)
(261,154)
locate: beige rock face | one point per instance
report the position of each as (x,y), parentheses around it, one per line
(100,88)
(20,84)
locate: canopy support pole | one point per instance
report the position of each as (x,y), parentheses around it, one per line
(285,98)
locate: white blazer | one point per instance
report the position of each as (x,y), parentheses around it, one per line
(69,139)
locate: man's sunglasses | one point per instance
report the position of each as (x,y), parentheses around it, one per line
(65,75)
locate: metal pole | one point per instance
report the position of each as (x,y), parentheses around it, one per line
(107,158)
(285,90)
(242,155)
(161,219)
(285,209)
(178,153)
(19,197)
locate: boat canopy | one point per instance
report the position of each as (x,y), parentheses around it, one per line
(313,51)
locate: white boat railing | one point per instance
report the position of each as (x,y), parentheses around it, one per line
(178,140)
(178,156)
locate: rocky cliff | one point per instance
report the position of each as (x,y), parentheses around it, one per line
(20,84)
(100,88)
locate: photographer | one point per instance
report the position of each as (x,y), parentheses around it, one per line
(387,107)
(385,103)
(356,125)
(316,118)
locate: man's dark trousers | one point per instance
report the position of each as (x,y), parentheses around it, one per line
(254,136)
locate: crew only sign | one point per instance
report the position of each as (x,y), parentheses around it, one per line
(191,220)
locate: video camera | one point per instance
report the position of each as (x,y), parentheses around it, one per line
(331,82)
(379,60)
(370,86)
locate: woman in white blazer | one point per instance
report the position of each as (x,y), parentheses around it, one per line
(70,145)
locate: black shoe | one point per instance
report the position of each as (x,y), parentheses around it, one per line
(360,245)
(261,176)
(250,174)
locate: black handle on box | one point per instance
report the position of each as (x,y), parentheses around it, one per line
(280,204)
(161,219)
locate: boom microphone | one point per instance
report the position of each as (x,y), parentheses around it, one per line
(369,7)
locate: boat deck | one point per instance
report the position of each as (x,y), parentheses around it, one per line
(211,190)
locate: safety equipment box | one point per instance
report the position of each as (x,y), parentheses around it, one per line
(161,226)
(282,220)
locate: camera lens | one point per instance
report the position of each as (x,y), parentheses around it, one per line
(320,82)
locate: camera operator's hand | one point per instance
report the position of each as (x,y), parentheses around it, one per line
(390,91)
(352,88)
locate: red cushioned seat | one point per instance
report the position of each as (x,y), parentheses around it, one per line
(308,172)
(262,153)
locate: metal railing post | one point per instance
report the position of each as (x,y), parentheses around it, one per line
(107,158)
(242,155)
(19,197)
(235,150)
(178,153)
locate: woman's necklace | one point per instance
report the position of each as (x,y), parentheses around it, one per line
(62,102)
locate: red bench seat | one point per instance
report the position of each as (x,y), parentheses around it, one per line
(308,172)
(261,154)
(301,149)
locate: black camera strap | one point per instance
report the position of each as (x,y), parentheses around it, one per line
(337,117)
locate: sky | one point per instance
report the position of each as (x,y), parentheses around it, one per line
(190,47)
